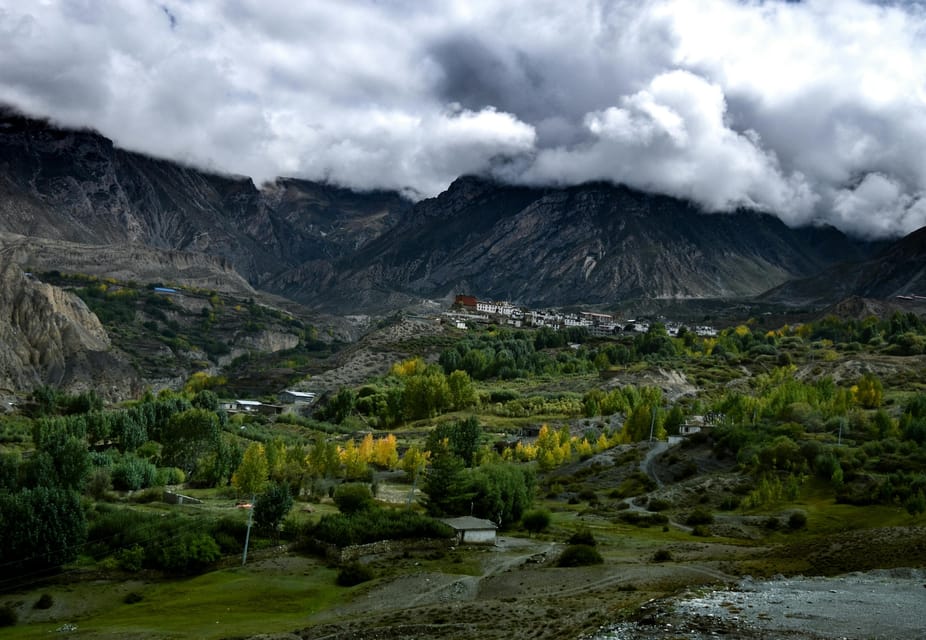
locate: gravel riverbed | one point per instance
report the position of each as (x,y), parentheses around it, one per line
(876,605)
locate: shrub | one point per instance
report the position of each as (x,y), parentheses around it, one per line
(729,503)
(579,555)
(170,475)
(133,473)
(375,524)
(797,520)
(187,554)
(536,520)
(132,597)
(131,559)
(642,519)
(353,574)
(699,516)
(662,555)
(352,497)
(701,531)
(583,536)
(658,504)
(45,601)
(8,616)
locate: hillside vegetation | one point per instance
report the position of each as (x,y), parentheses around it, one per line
(809,457)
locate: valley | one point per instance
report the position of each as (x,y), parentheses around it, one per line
(649,410)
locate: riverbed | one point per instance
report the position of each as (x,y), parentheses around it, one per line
(877,605)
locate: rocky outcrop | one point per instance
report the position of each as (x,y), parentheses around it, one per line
(49,336)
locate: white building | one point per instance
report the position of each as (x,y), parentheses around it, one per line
(472,530)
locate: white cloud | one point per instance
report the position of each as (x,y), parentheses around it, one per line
(812,110)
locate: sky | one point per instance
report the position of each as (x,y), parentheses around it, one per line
(814,111)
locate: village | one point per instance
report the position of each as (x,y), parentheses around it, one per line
(468,309)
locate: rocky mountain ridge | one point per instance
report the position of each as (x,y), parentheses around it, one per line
(591,244)
(336,250)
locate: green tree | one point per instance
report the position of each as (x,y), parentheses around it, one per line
(42,527)
(189,435)
(536,520)
(426,395)
(272,506)
(462,436)
(502,492)
(446,485)
(462,392)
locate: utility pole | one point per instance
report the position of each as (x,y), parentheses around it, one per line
(247,536)
(652,424)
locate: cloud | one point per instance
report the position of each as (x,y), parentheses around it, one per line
(811,110)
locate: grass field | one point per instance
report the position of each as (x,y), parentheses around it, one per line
(272,594)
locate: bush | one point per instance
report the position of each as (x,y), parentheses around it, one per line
(797,520)
(699,516)
(353,574)
(579,555)
(132,598)
(375,524)
(658,504)
(536,520)
(583,536)
(131,559)
(701,531)
(133,473)
(730,503)
(45,601)
(188,554)
(352,497)
(8,616)
(663,555)
(170,475)
(642,519)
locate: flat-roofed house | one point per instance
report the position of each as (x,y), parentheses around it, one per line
(472,530)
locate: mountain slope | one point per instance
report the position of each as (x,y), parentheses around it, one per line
(77,186)
(338,250)
(900,269)
(594,243)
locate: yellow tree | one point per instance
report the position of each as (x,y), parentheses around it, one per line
(584,448)
(869,392)
(414,462)
(385,453)
(251,475)
(354,466)
(365,450)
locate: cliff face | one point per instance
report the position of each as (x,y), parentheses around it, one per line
(49,336)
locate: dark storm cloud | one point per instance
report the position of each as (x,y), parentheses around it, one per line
(813,110)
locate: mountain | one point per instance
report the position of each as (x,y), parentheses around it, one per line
(75,185)
(333,249)
(898,270)
(589,244)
